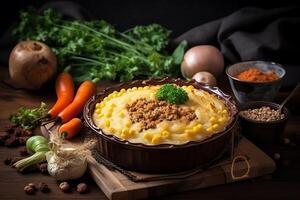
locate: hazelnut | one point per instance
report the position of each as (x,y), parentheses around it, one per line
(32,185)
(64,186)
(43,167)
(44,187)
(82,188)
(28,189)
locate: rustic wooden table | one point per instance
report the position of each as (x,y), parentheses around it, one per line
(284,183)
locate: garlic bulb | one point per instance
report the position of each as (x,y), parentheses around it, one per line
(66,161)
(66,168)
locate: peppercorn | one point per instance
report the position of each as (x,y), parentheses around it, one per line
(43,167)
(64,186)
(82,188)
(44,187)
(29,189)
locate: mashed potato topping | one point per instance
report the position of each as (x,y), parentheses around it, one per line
(137,116)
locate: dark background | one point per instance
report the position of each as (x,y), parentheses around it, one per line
(177,15)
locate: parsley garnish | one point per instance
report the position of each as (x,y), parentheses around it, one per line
(172,94)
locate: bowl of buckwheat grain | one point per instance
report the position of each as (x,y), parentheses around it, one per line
(262,122)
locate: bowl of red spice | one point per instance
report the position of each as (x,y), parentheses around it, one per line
(263,122)
(255,80)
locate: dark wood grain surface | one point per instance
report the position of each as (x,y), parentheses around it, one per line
(284,183)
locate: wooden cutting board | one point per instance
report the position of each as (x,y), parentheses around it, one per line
(117,186)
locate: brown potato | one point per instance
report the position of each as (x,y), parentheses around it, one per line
(31,64)
(205,77)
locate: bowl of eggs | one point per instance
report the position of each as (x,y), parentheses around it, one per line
(255,80)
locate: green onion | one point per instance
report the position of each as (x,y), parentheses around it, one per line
(38,146)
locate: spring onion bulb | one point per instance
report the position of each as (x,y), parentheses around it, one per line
(36,145)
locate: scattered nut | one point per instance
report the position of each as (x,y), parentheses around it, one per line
(3,138)
(18,131)
(276,156)
(27,133)
(43,167)
(44,187)
(29,189)
(82,188)
(7,161)
(9,128)
(32,185)
(64,186)
(22,140)
(14,136)
(11,142)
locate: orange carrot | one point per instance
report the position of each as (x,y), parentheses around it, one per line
(70,129)
(85,91)
(64,87)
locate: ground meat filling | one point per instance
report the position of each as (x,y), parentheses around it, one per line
(151,112)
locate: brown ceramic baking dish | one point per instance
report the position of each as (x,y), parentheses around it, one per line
(163,158)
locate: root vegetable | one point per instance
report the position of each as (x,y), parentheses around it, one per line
(31,64)
(64,87)
(202,58)
(70,129)
(205,77)
(85,91)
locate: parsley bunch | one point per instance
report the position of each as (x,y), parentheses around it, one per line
(96,50)
(26,118)
(172,94)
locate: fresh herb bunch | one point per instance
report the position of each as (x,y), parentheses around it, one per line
(96,50)
(172,94)
(26,118)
